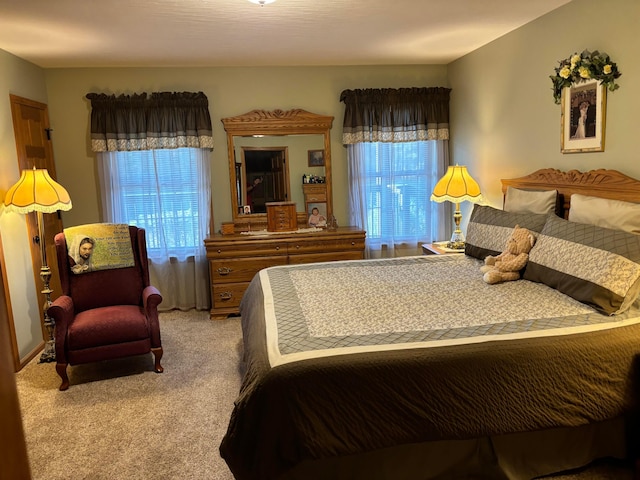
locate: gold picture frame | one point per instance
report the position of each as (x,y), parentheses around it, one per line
(583,117)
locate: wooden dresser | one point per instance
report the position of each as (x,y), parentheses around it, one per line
(235,259)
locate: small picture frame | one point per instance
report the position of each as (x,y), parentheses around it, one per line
(246,209)
(583,117)
(316,158)
(317,214)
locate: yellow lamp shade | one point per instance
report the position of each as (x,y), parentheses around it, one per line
(457,186)
(36,191)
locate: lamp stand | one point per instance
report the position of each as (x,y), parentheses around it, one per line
(457,239)
(49,353)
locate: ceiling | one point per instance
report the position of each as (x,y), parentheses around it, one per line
(111,33)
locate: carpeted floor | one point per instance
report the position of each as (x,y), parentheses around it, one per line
(120,420)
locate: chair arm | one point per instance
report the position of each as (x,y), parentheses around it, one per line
(62,313)
(151,298)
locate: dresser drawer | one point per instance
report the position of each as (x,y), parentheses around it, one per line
(322,246)
(316,198)
(246,249)
(228,295)
(325,257)
(240,269)
(314,193)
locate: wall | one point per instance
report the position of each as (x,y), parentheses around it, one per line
(231,91)
(504,121)
(26,80)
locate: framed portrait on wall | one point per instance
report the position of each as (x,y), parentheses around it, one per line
(316,158)
(583,117)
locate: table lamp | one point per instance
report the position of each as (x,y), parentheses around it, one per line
(37,192)
(457,186)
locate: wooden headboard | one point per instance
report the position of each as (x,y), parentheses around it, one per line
(596,183)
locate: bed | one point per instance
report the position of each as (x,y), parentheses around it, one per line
(415,368)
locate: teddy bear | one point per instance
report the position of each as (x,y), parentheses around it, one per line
(506,266)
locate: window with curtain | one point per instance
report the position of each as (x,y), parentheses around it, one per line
(153,163)
(397,180)
(162,191)
(397,150)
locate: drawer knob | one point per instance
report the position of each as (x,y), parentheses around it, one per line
(297,246)
(219,250)
(353,243)
(226,296)
(224,271)
(277,248)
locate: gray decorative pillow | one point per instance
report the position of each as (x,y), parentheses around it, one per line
(595,265)
(489,229)
(530,201)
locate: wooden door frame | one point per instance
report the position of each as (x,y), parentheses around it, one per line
(14,461)
(31,220)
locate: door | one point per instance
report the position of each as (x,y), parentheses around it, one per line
(33,143)
(280,176)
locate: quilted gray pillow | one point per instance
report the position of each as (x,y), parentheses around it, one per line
(489,229)
(595,265)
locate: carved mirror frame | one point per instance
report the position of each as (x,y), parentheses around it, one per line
(275,123)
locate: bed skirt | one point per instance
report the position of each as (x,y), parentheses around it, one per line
(520,456)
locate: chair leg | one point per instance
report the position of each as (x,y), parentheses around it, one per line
(61,368)
(157,353)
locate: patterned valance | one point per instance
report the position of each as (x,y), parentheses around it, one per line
(395,115)
(162,120)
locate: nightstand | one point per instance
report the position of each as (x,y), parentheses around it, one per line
(439,248)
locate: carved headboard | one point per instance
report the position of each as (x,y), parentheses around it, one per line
(597,183)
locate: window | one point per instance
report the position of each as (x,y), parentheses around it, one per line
(393,182)
(166,192)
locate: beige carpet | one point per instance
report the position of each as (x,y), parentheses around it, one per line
(120,420)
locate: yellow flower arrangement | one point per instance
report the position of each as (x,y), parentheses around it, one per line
(582,67)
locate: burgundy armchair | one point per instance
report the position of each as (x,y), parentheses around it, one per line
(105,314)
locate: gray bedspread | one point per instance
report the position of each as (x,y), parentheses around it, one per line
(426,361)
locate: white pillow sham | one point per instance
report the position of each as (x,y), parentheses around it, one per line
(606,213)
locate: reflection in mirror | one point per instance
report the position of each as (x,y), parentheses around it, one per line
(264,177)
(268,157)
(278,163)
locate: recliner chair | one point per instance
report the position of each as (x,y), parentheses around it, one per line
(105,314)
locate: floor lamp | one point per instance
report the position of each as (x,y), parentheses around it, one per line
(457,186)
(37,192)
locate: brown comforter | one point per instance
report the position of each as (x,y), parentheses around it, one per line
(348,404)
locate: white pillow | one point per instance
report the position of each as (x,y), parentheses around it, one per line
(530,201)
(604,212)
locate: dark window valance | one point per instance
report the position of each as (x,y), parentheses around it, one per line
(159,121)
(395,115)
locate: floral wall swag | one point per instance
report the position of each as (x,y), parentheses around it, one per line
(585,66)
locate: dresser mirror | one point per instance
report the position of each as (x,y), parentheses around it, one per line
(269,153)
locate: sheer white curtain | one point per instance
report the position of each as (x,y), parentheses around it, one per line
(168,193)
(389,189)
